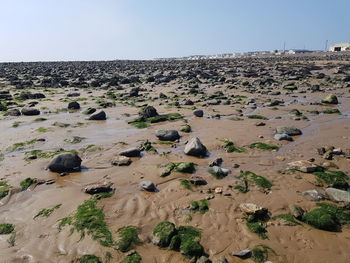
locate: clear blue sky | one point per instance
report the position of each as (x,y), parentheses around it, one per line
(42,30)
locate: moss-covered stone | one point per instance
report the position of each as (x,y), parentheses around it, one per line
(4,188)
(89,259)
(6,229)
(163,233)
(263,146)
(127,238)
(26,183)
(336,179)
(132,258)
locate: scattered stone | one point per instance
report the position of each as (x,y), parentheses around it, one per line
(132,152)
(147,186)
(252,209)
(302,166)
(65,162)
(258,124)
(216,162)
(98,188)
(195,148)
(198,113)
(291,131)
(314,195)
(121,161)
(218,171)
(245,253)
(330,99)
(197,180)
(283,137)
(167,135)
(100,116)
(296,211)
(203,259)
(74,105)
(30,111)
(338,195)
(148,112)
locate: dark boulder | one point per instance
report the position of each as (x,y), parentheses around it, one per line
(65,162)
(100,116)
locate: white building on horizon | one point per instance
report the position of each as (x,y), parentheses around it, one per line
(340,47)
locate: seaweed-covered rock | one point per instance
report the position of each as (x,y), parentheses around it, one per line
(148,112)
(65,162)
(163,233)
(330,99)
(302,166)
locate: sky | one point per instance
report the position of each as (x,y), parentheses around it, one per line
(61,30)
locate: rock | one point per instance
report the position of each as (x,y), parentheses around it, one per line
(147,186)
(89,111)
(313,195)
(198,113)
(258,124)
(302,166)
(203,259)
(131,152)
(30,111)
(73,105)
(121,161)
(283,137)
(245,253)
(197,180)
(167,135)
(100,116)
(65,162)
(220,259)
(216,162)
(163,233)
(218,171)
(98,188)
(330,99)
(13,112)
(253,209)
(291,131)
(195,148)
(148,112)
(296,211)
(338,195)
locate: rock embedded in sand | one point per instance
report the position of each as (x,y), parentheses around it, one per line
(203,259)
(296,211)
(252,209)
(131,152)
(195,148)
(245,253)
(121,161)
(147,186)
(30,111)
(218,171)
(197,180)
(100,116)
(330,99)
(148,112)
(74,105)
(98,188)
(338,195)
(167,135)
(163,233)
(13,112)
(198,113)
(313,195)
(65,162)
(283,137)
(291,131)
(302,166)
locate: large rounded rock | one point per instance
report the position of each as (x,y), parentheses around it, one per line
(73,105)
(291,131)
(195,148)
(148,112)
(131,152)
(65,162)
(330,99)
(100,116)
(167,135)
(30,111)
(198,113)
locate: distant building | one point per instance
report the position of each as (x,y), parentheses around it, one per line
(340,47)
(299,51)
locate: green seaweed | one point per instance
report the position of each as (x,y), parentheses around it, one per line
(4,188)
(258,117)
(46,212)
(260,253)
(26,183)
(6,229)
(263,146)
(202,206)
(132,258)
(336,179)
(185,183)
(127,238)
(89,259)
(230,147)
